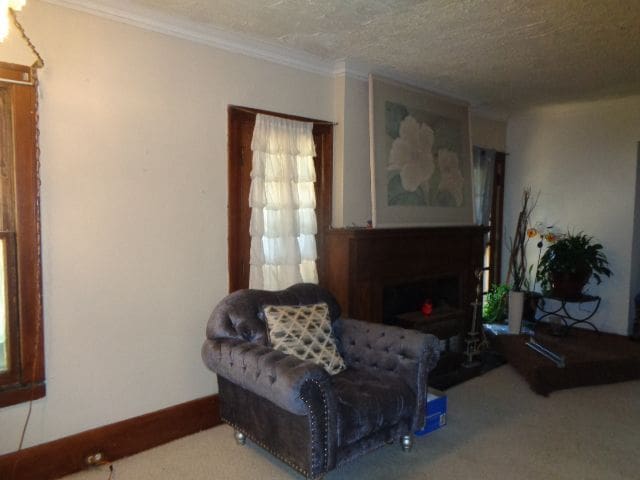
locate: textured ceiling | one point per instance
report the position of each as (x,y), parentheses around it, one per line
(500,55)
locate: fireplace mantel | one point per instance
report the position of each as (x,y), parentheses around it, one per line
(361,262)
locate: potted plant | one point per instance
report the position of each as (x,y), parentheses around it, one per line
(495,306)
(569,263)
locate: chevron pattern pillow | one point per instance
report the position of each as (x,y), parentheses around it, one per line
(305,332)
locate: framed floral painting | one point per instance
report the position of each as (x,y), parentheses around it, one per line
(420,157)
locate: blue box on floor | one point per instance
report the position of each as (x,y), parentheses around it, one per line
(436,412)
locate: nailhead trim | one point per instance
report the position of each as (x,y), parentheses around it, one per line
(313,426)
(267,448)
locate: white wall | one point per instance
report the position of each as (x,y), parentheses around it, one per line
(134,220)
(337,214)
(583,159)
(351,156)
(488,132)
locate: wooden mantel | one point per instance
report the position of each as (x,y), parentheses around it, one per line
(361,262)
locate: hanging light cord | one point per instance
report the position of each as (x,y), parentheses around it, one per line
(39,63)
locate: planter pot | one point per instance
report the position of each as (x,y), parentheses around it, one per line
(568,285)
(516,306)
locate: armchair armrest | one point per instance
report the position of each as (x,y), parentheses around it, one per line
(269,373)
(408,353)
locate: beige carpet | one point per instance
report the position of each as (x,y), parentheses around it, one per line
(498,429)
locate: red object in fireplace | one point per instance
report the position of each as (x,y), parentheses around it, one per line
(427,308)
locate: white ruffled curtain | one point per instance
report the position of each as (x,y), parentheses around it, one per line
(484,160)
(283,202)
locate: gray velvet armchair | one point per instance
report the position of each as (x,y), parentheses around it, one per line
(293,408)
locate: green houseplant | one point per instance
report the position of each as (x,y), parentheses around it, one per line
(569,263)
(495,306)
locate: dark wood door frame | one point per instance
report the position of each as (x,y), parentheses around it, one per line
(496,219)
(241,121)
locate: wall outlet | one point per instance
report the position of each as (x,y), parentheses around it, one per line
(94,459)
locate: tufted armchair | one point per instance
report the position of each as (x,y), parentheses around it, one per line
(293,408)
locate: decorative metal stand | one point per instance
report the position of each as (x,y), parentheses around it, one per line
(476,341)
(565,316)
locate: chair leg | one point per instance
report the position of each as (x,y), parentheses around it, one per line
(407,443)
(240,437)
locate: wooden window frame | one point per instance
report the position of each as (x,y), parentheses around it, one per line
(25,379)
(239,161)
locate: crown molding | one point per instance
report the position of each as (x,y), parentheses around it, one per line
(352,69)
(149,19)
(361,70)
(123,11)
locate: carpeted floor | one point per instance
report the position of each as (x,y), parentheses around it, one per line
(498,429)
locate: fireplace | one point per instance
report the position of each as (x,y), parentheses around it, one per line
(384,275)
(403,304)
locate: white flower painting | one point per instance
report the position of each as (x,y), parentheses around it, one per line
(451,179)
(420,157)
(411,154)
(423,164)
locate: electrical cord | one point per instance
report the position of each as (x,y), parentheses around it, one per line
(103,463)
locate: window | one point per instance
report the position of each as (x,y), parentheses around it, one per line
(21,339)
(241,126)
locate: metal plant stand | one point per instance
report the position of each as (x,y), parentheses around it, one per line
(568,319)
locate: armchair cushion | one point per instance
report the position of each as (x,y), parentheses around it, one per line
(305,332)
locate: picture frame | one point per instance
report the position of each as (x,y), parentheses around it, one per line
(420,156)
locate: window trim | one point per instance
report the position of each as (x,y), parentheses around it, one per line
(238,244)
(26,380)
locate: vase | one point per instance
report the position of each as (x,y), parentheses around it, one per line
(516,306)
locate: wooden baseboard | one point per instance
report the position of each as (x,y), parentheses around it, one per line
(68,455)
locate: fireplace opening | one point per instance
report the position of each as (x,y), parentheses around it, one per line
(431,305)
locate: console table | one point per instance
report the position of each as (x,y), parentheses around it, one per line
(569,320)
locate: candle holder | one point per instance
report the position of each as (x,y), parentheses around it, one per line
(476,342)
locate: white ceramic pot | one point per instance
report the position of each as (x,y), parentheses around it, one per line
(516,306)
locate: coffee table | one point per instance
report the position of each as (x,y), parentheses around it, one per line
(591,358)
